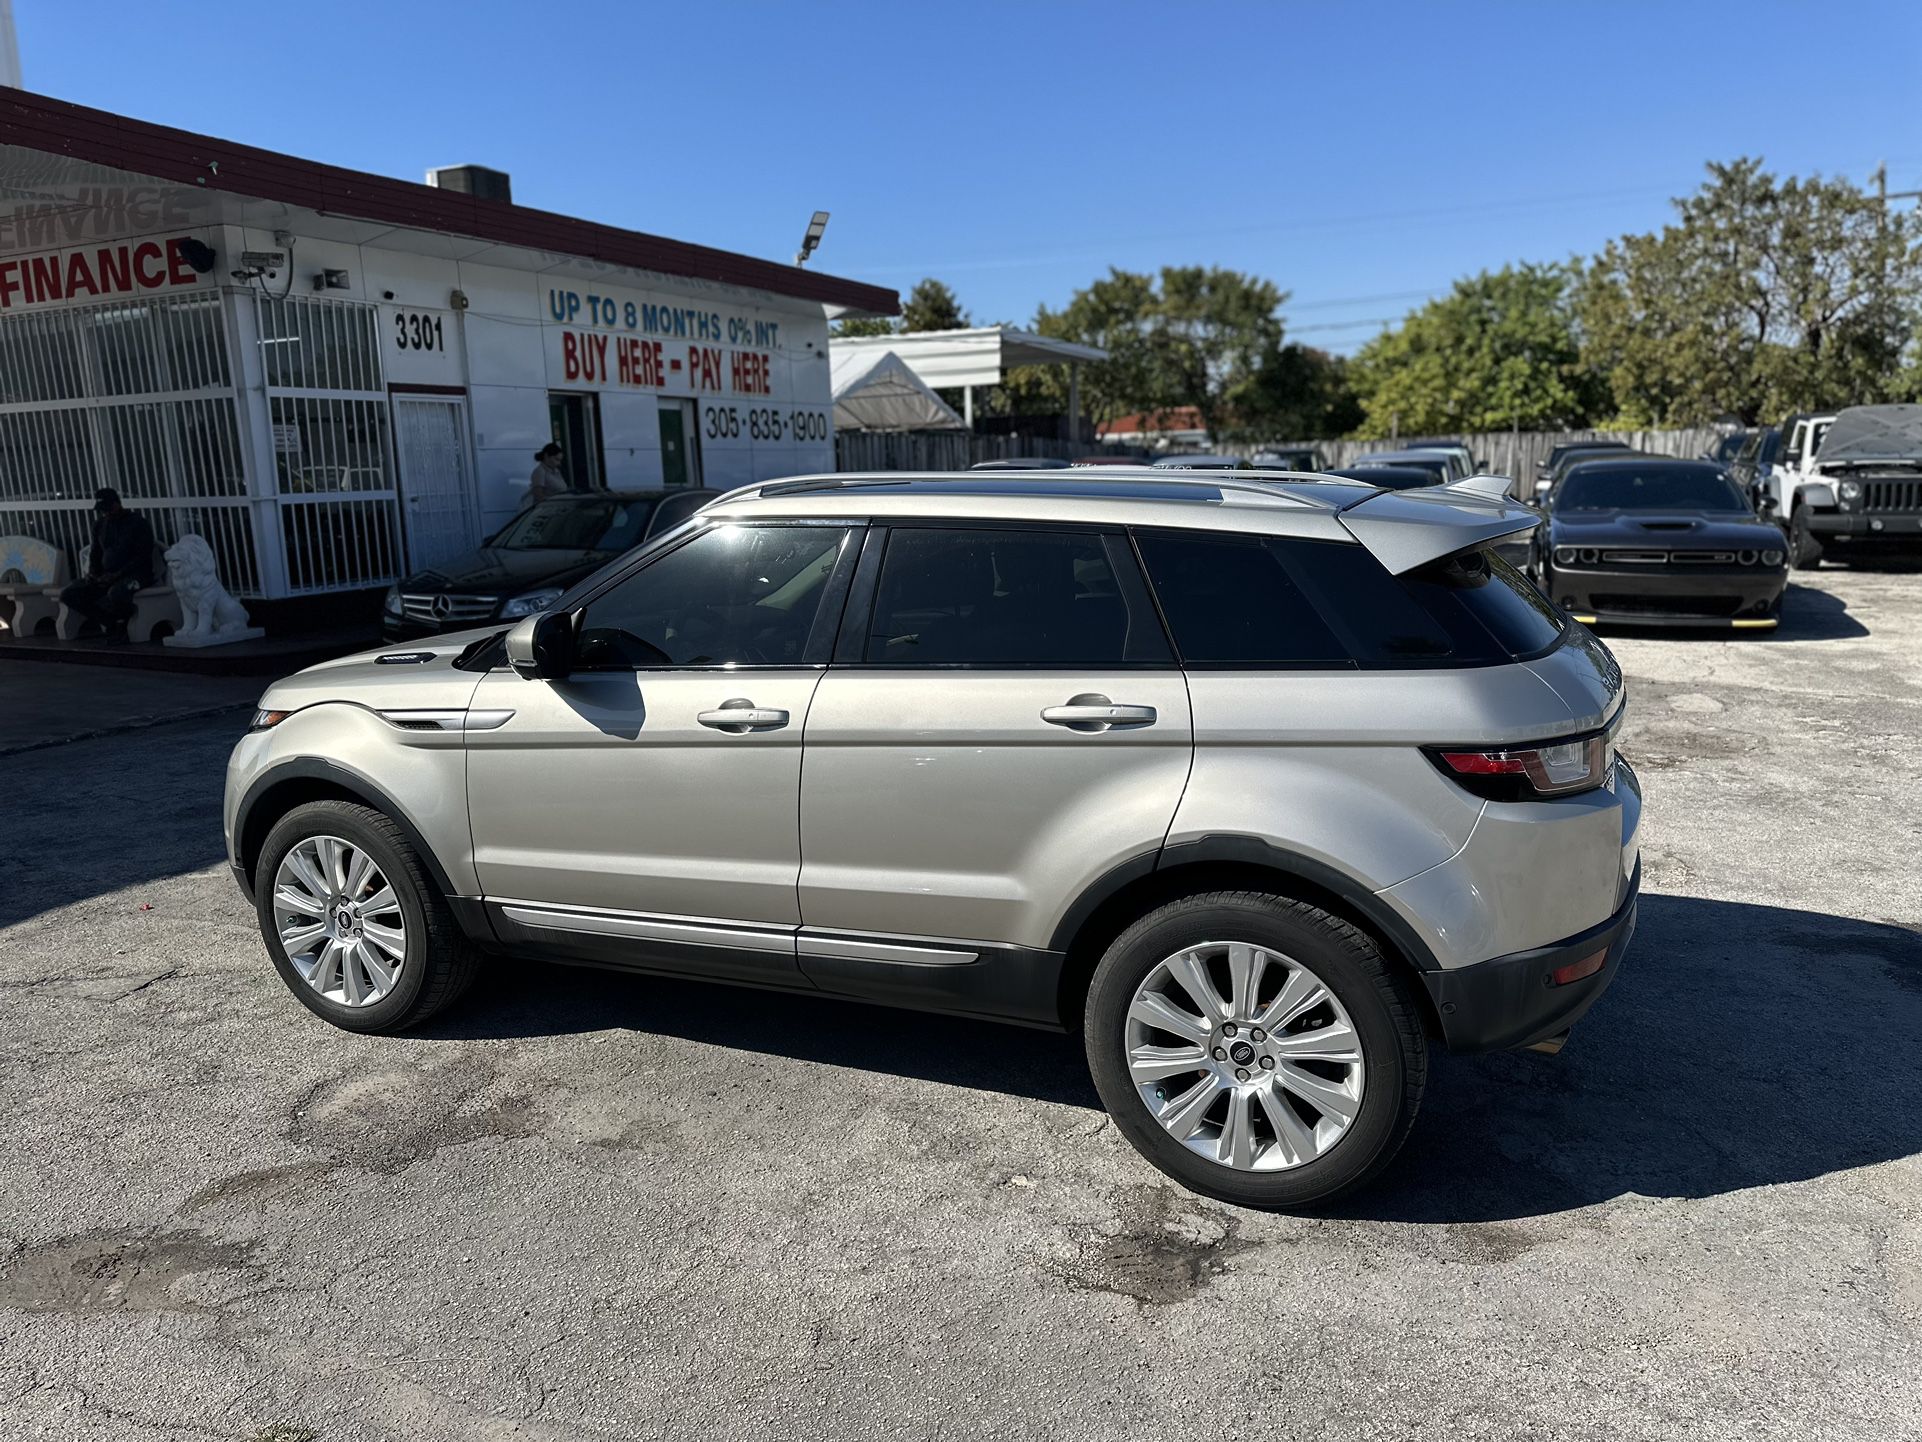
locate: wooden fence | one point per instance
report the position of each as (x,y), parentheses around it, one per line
(1520,453)
(949,450)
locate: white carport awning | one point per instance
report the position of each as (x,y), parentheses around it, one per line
(876,391)
(949,359)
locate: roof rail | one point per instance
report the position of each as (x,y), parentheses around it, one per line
(1253,484)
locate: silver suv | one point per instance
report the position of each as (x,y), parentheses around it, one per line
(1262,785)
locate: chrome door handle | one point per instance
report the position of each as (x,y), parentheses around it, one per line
(1094,713)
(737,716)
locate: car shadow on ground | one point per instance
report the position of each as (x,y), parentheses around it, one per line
(515,998)
(1742,1046)
(1807,615)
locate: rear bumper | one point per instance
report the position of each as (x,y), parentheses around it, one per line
(1512,1001)
(1651,597)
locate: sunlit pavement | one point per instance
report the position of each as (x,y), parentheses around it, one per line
(587,1205)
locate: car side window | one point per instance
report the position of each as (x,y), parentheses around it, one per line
(1231,601)
(677,508)
(1009,598)
(730,596)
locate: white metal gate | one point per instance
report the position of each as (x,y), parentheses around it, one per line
(137,394)
(327,406)
(430,434)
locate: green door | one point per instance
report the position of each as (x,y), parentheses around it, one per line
(673,446)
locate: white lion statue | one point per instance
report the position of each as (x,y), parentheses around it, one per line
(205,607)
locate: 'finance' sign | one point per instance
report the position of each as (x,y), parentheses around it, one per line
(96,273)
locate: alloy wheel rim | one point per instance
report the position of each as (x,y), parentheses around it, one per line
(339,921)
(1245,1056)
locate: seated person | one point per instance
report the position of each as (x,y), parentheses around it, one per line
(119,563)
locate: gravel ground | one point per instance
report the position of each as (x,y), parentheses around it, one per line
(593,1206)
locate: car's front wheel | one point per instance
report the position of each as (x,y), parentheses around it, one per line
(1805,552)
(1255,1048)
(354,924)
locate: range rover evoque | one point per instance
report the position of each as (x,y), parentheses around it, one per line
(1262,785)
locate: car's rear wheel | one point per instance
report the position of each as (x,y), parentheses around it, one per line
(354,924)
(1255,1048)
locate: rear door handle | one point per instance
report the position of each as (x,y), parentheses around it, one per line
(1095,713)
(738,716)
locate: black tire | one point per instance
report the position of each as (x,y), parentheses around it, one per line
(439,961)
(1805,552)
(1387,1022)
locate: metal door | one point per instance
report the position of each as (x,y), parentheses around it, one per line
(680,445)
(430,435)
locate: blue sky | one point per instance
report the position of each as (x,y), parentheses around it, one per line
(1360,155)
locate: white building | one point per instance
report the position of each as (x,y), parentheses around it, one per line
(338,377)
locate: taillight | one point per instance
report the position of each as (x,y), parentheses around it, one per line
(1527,773)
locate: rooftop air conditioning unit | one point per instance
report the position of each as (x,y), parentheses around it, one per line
(475,180)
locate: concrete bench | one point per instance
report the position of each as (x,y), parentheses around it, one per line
(154,607)
(29,568)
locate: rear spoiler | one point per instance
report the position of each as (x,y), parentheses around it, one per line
(1495,487)
(1406,529)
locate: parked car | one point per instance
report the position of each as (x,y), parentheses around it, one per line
(1470,464)
(525,565)
(1858,488)
(1754,464)
(1257,785)
(1020,463)
(1389,478)
(1656,542)
(1201,463)
(1290,458)
(1108,461)
(1561,456)
(1727,447)
(1443,468)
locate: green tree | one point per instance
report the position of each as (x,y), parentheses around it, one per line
(1115,314)
(1764,296)
(1297,393)
(860,325)
(1211,333)
(1499,350)
(1190,336)
(932,306)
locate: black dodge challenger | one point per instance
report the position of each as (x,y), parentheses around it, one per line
(1644,541)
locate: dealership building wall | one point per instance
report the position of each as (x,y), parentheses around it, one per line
(373,403)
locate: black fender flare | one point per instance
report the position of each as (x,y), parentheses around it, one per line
(1351,893)
(315,768)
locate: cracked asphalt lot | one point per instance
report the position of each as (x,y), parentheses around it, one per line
(594,1206)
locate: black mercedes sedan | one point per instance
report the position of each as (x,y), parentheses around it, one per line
(525,566)
(1645,541)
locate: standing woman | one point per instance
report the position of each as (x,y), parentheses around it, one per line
(548,479)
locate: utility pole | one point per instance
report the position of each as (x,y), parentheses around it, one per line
(9,47)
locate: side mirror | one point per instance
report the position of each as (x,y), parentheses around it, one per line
(1481,464)
(542,646)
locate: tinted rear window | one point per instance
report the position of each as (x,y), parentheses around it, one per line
(1243,601)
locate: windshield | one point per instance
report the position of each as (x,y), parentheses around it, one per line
(577,523)
(1649,488)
